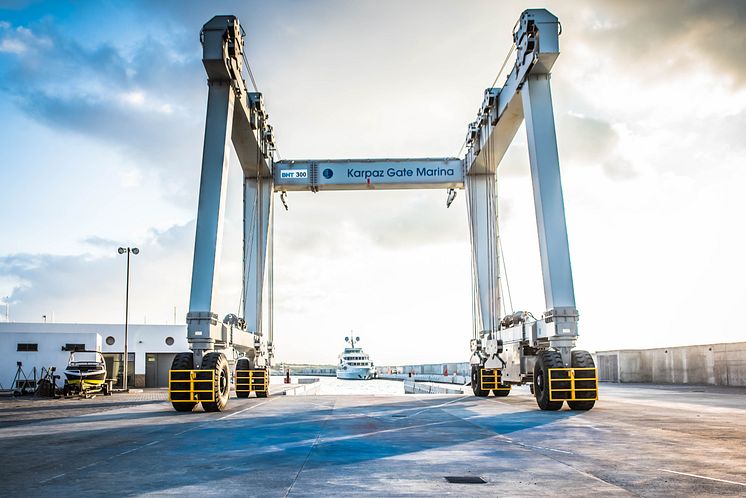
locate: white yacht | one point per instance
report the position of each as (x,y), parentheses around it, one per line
(354,364)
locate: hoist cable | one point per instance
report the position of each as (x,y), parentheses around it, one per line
(247,252)
(463,144)
(271,276)
(248,70)
(469,206)
(498,278)
(505,62)
(261,247)
(505,272)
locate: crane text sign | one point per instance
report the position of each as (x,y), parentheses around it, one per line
(293,173)
(369,174)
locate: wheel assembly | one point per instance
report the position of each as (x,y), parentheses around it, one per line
(179,381)
(242,364)
(583,360)
(476,384)
(221,385)
(544,361)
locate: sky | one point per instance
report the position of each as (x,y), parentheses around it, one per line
(102,108)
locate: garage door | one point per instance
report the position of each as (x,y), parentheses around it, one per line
(156,369)
(608,367)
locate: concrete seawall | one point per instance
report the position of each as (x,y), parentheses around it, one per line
(715,364)
(442,373)
(440,369)
(321,372)
(722,364)
(442,379)
(416,387)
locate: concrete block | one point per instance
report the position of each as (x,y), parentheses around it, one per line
(736,363)
(307,380)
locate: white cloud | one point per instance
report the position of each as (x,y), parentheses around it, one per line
(13,46)
(130,178)
(136,98)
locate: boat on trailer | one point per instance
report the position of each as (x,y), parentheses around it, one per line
(85,374)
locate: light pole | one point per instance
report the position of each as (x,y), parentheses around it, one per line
(135,251)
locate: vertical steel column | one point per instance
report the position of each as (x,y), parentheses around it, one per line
(202,322)
(554,249)
(257,214)
(548,200)
(482,210)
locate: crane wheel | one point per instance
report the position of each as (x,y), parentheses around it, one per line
(261,395)
(476,386)
(243,364)
(218,363)
(544,361)
(501,393)
(183,361)
(582,359)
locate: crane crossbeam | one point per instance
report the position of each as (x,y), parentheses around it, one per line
(369,174)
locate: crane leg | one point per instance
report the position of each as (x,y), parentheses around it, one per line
(203,327)
(561,315)
(482,210)
(257,229)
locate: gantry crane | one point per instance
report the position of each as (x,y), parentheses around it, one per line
(512,350)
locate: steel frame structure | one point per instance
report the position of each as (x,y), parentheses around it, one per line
(236,116)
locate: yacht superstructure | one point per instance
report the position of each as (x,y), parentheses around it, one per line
(354,364)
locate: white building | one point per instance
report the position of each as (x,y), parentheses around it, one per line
(151,349)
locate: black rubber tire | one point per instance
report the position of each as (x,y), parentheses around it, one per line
(261,395)
(242,364)
(218,363)
(582,359)
(183,361)
(501,393)
(475,387)
(544,361)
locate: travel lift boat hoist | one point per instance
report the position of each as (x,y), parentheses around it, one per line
(514,350)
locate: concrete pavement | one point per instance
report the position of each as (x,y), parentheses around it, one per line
(639,440)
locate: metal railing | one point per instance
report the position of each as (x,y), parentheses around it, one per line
(491,380)
(255,380)
(191,386)
(573,384)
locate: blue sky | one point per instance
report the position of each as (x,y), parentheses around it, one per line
(103,107)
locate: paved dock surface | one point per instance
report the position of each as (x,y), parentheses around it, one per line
(639,440)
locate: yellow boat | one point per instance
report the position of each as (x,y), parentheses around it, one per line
(85,372)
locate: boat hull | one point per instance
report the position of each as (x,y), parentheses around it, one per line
(352,373)
(84,378)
